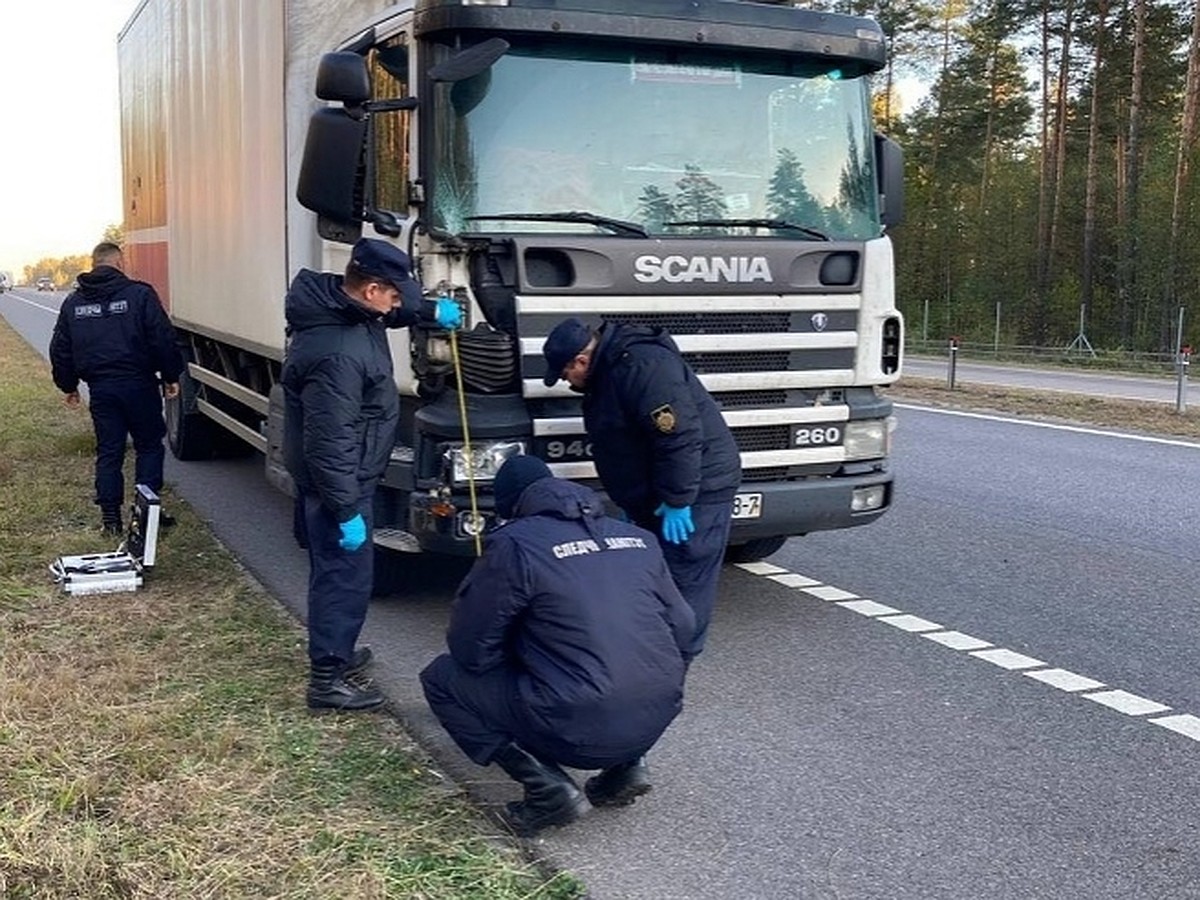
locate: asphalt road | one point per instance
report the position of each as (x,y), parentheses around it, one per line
(1096,384)
(836,748)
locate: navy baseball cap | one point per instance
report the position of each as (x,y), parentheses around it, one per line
(563,345)
(386,262)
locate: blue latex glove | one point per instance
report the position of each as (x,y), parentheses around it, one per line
(447,314)
(677,524)
(354,533)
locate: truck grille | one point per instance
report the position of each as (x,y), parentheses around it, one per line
(708,323)
(488,359)
(763,437)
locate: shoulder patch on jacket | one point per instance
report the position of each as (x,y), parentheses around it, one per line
(663,418)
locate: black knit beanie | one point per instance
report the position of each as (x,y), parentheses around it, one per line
(517,473)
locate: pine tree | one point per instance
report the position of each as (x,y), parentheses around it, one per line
(655,207)
(788,197)
(699,197)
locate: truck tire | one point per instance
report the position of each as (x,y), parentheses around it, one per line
(753,551)
(189,432)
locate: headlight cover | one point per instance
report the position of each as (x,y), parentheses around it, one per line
(869,438)
(486,460)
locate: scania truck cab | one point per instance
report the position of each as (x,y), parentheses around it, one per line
(710,167)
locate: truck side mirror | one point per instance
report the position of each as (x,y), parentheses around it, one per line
(889,162)
(329,172)
(342,77)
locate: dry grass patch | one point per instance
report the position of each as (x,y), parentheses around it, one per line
(1153,418)
(155,744)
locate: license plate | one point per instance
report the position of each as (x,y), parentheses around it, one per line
(747,506)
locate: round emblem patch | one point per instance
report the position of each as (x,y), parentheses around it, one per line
(664,418)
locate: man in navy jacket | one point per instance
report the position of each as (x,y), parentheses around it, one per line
(339,430)
(662,448)
(112,333)
(566,648)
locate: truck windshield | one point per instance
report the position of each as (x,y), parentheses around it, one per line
(701,139)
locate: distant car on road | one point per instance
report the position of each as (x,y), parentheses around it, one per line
(45,284)
(5,283)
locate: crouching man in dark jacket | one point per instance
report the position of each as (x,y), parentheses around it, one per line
(566,648)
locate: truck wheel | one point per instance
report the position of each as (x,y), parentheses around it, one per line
(753,551)
(189,432)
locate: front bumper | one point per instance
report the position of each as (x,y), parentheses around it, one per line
(812,504)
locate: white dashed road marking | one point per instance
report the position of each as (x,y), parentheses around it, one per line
(868,608)
(1189,726)
(956,640)
(830,593)
(1008,659)
(792,580)
(1130,704)
(1062,679)
(1065,681)
(913,624)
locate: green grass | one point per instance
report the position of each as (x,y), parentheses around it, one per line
(156,745)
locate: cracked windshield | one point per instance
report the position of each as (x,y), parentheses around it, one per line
(653,139)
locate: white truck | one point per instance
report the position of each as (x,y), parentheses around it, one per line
(710,167)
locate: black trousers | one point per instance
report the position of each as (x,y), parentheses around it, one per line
(483,711)
(339,584)
(696,566)
(122,408)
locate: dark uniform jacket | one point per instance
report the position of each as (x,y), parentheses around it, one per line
(583,608)
(111,328)
(341,401)
(657,435)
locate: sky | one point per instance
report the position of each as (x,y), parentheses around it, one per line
(60,155)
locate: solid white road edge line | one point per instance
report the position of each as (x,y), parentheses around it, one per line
(1077,429)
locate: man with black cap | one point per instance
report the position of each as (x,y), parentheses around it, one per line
(661,446)
(339,429)
(566,649)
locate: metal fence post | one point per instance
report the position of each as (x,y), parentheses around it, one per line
(1185,354)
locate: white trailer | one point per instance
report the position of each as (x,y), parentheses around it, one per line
(710,167)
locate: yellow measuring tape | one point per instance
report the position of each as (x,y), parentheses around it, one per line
(476,522)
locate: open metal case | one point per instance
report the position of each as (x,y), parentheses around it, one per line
(125,568)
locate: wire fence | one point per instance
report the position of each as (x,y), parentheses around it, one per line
(1072,357)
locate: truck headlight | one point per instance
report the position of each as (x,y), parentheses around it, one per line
(868,439)
(437,349)
(486,460)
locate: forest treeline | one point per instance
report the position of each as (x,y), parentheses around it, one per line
(1049,168)
(63,270)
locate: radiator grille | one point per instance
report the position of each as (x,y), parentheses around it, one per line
(755,361)
(762,437)
(488,359)
(749,322)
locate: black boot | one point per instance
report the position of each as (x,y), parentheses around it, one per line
(619,785)
(330,689)
(551,797)
(110,523)
(358,662)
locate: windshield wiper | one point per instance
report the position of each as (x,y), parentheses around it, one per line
(617,225)
(777,224)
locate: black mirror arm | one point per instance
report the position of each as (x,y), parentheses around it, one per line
(397,105)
